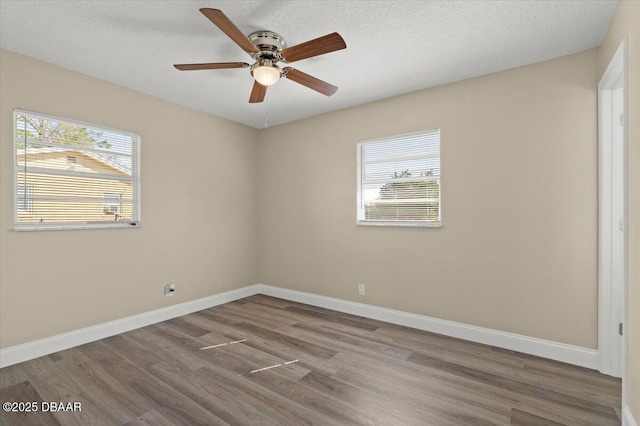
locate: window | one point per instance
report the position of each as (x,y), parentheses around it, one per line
(399,180)
(76,175)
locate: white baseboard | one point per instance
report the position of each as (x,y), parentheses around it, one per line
(544,348)
(48,345)
(627,417)
(576,355)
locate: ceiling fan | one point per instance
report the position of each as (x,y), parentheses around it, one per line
(267,49)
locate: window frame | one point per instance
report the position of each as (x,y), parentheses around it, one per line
(360,211)
(55,226)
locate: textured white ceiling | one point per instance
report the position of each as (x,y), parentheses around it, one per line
(393,47)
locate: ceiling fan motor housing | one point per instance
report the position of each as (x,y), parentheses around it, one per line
(269,44)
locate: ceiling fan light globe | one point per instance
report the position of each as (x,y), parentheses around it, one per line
(266,74)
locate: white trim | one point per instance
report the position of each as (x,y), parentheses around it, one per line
(48,345)
(611,303)
(627,417)
(576,355)
(404,223)
(66,226)
(616,65)
(544,348)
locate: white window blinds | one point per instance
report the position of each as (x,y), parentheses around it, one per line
(73,175)
(399,180)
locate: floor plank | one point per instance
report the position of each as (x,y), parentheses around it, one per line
(297,364)
(522,418)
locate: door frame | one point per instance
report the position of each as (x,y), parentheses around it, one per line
(611,298)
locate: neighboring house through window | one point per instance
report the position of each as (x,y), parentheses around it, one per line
(399,180)
(73,175)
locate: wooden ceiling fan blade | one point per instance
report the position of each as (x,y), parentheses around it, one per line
(221,21)
(310,81)
(257,93)
(211,66)
(319,46)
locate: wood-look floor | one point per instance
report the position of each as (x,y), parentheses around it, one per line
(350,371)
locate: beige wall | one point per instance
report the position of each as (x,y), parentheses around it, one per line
(518,249)
(626,23)
(198,210)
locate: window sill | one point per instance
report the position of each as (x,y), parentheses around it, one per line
(69,227)
(415,224)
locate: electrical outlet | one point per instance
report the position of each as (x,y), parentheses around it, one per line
(169,289)
(361,289)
